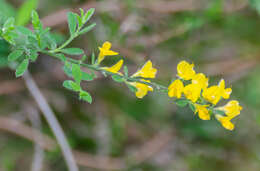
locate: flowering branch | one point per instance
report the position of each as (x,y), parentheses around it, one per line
(188,89)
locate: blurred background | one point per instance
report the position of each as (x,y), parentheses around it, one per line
(118,131)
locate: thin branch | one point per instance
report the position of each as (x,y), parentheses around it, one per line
(100,69)
(47,143)
(152,147)
(16,127)
(38,156)
(52,121)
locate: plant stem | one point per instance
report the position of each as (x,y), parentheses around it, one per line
(100,69)
(72,37)
(63,45)
(52,121)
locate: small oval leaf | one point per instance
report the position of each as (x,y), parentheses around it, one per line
(72,51)
(87,77)
(72,22)
(182,102)
(87,29)
(76,73)
(15,55)
(22,68)
(71,85)
(85,96)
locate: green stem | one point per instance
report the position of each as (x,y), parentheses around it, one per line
(72,37)
(63,45)
(100,69)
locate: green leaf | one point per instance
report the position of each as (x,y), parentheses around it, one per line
(15,55)
(62,57)
(72,51)
(182,102)
(33,41)
(37,25)
(81,12)
(88,15)
(87,77)
(117,78)
(75,86)
(44,31)
(87,29)
(79,19)
(3,61)
(76,73)
(85,96)
(67,69)
(72,22)
(9,24)
(24,31)
(67,84)
(33,55)
(24,12)
(71,85)
(192,107)
(51,41)
(22,68)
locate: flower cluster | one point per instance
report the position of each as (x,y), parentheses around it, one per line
(147,71)
(190,88)
(194,87)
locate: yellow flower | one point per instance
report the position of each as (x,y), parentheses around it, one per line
(202,111)
(225,92)
(231,109)
(147,71)
(185,70)
(225,122)
(201,80)
(115,68)
(214,93)
(142,89)
(175,89)
(192,92)
(105,51)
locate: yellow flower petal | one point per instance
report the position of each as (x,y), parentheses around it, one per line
(232,108)
(106,45)
(225,92)
(105,51)
(202,111)
(115,68)
(185,70)
(192,92)
(175,89)
(201,80)
(214,93)
(147,71)
(142,89)
(225,122)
